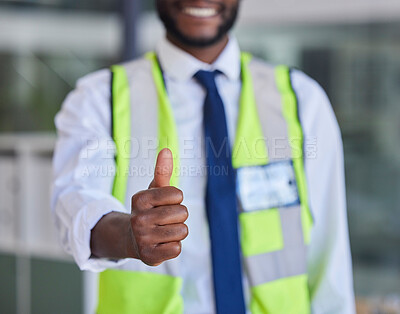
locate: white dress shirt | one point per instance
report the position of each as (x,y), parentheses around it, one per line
(81,191)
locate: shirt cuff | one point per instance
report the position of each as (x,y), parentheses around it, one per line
(83,223)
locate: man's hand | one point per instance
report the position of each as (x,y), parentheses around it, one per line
(158,217)
(155,228)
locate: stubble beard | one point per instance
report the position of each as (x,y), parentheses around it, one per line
(229,16)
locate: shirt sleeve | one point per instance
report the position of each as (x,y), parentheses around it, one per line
(84,169)
(329,258)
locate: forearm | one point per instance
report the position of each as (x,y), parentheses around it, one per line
(112,237)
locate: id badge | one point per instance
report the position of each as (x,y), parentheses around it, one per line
(270,186)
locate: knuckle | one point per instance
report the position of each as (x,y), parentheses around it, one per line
(182,231)
(142,232)
(140,237)
(145,254)
(142,252)
(152,263)
(150,260)
(158,194)
(140,199)
(176,249)
(134,221)
(185,231)
(133,198)
(184,211)
(143,220)
(180,194)
(176,192)
(139,220)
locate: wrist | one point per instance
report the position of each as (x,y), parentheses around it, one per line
(131,250)
(112,237)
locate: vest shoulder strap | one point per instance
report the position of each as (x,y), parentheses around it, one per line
(120,128)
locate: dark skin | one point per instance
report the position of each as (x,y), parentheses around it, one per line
(154,229)
(207,55)
(199,29)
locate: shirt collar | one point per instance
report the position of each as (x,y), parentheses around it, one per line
(179,65)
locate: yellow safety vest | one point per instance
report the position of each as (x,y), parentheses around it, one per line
(273,240)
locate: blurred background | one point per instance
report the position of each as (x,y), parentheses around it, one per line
(352,47)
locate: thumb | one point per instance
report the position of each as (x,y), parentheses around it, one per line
(163,170)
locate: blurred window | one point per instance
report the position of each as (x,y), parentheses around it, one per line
(46,50)
(92,5)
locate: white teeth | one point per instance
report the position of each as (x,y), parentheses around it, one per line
(200,12)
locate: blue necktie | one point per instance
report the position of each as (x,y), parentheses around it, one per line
(221,202)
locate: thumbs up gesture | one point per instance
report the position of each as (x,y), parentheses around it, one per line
(158,216)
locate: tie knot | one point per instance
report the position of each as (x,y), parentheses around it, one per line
(207,79)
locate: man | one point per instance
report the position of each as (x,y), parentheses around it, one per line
(266,221)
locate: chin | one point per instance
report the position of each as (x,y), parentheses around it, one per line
(201,37)
(200,40)
(195,31)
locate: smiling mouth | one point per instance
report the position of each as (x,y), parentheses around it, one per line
(200,12)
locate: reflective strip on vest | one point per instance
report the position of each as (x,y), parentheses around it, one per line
(296,137)
(273,240)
